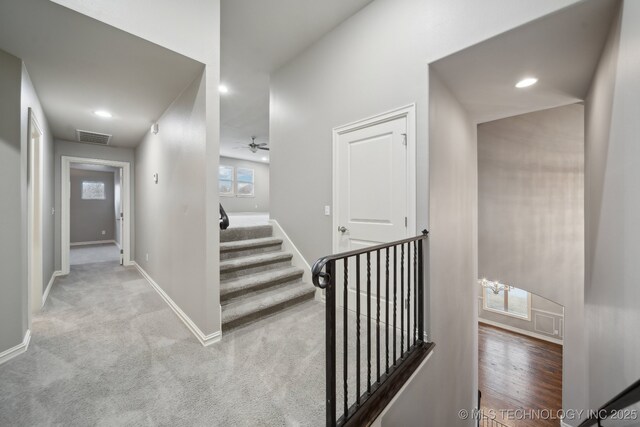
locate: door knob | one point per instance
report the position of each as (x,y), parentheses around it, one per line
(342,229)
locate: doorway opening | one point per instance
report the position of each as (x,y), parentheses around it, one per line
(95,212)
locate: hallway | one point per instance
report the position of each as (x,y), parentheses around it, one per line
(107,350)
(516,372)
(89,254)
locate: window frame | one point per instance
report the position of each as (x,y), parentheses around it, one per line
(253,182)
(104,190)
(232,192)
(506,311)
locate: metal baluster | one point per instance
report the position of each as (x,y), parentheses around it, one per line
(402,300)
(369,322)
(386,329)
(345,325)
(408,296)
(420,292)
(415,291)
(395,294)
(378,316)
(331,344)
(357,330)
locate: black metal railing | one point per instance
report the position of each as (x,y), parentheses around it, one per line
(382,286)
(627,397)
(486,421)
(224,219)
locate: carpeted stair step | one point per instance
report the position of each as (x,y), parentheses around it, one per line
(245,233)
(241,248)
(253,307)
(236,267)
(231,289)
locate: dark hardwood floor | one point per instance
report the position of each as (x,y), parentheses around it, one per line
(516,372)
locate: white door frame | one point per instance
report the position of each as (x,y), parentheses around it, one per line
(125,194)
(408,112)
(35,184)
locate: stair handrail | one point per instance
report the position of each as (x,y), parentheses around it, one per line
(383,382)
(624,399)
(224,219)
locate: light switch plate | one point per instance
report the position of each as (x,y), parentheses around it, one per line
(327,210)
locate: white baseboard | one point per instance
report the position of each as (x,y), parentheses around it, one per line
(45,295)
(204,339)
(520,331)
(95,242)
(298,260)
(9,354)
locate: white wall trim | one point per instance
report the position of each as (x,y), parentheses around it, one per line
(205,340)
(378,421)
(65,215)
(520,331)
(298,260)
(9,354)
(45,295)
(94,242)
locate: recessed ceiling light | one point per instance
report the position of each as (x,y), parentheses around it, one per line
(264,159)
(103,113)
(223,89)
(529,81)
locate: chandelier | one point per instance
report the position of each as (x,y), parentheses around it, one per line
(495,286)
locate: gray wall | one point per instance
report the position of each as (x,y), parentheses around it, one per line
(18,95)
(170,215)
(89,218)
(259,203)
(13,241)
(452,309)
(612,213)
(374,62)
(531,218)
(546,317)
(90,151)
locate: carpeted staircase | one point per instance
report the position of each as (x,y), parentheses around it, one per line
(257,278)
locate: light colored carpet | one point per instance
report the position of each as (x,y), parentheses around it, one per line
(89,254)
(107,351)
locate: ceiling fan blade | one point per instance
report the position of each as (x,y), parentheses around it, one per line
(262,144)
(263,148)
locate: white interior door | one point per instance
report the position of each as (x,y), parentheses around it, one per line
(372,199)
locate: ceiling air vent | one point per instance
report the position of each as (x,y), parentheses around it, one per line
(93,137)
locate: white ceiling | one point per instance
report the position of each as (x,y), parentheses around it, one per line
(562,50)
(258,37)
(79,65)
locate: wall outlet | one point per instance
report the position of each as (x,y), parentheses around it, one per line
(327,210)
(147,257)
(104,232)
(53,211)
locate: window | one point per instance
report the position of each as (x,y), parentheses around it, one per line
(245,182)
(510,301)
(225,180)
(93,190)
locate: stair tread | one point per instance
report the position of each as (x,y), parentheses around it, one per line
(246,282)
(253,303)
(236,245)
(251,260)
